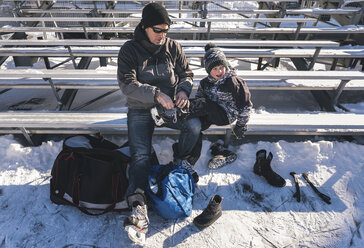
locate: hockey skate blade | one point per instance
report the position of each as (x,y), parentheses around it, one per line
(135,236)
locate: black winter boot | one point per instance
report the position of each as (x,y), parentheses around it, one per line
(188,167)
(221,156)
(211,213)
(262,168)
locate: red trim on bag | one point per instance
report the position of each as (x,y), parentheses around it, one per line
(73,189)
(58,164)
(117,186)
(79,191)
(70,156)
(112,187)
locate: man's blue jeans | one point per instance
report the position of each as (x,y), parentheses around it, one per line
(140,131)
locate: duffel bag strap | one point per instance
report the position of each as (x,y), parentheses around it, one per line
(108,209)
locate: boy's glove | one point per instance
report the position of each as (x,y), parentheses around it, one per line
(239,131)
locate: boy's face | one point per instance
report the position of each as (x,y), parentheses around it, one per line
(218,72)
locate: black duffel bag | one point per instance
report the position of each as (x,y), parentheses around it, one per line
(90,173)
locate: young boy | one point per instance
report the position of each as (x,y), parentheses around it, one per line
(222,98)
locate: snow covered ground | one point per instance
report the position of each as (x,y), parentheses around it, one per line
(255,214)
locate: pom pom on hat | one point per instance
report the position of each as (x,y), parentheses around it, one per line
(209,46)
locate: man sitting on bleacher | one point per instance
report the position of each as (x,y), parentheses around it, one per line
(153,69)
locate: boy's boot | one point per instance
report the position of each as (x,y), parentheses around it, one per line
(221,156)
(185,163)
(188,167)
(211,213)
(263,168)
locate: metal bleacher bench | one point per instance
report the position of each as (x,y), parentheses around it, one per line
(256,80)
(67,1)
(64,122)
(351,29)
(28,123)
(193,48)
(184,43)
(110,48)
(317,11)
(209,21)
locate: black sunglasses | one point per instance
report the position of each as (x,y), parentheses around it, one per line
(159,30)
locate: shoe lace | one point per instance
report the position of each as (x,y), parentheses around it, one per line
(141,216)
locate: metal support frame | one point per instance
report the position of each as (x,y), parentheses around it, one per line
(334,64)
(94,100)
(208,30)
(3,91)
(314,58)
(259,66)
(27,136)
(3,59)
(354,63)
(341,87)
(297,33)
(338,91)
(273,61)
(72,56)
(60,63)
(54,90)
(203,24)
(70,94)
(67,99)
(322,97)
(267,64)
(260,6)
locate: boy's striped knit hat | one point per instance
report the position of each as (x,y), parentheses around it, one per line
(214,57)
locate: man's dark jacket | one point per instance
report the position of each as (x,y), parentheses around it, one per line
(144,69)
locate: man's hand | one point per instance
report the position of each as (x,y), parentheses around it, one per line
(182,100)
(165,100)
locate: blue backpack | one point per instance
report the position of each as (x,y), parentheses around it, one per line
(170,189)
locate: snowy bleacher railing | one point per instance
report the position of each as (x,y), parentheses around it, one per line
(256,80)
(28,123)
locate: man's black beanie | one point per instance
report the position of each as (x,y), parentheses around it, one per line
(154,14)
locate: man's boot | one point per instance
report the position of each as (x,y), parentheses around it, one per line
(136,225)
(211,213)
(262,168)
